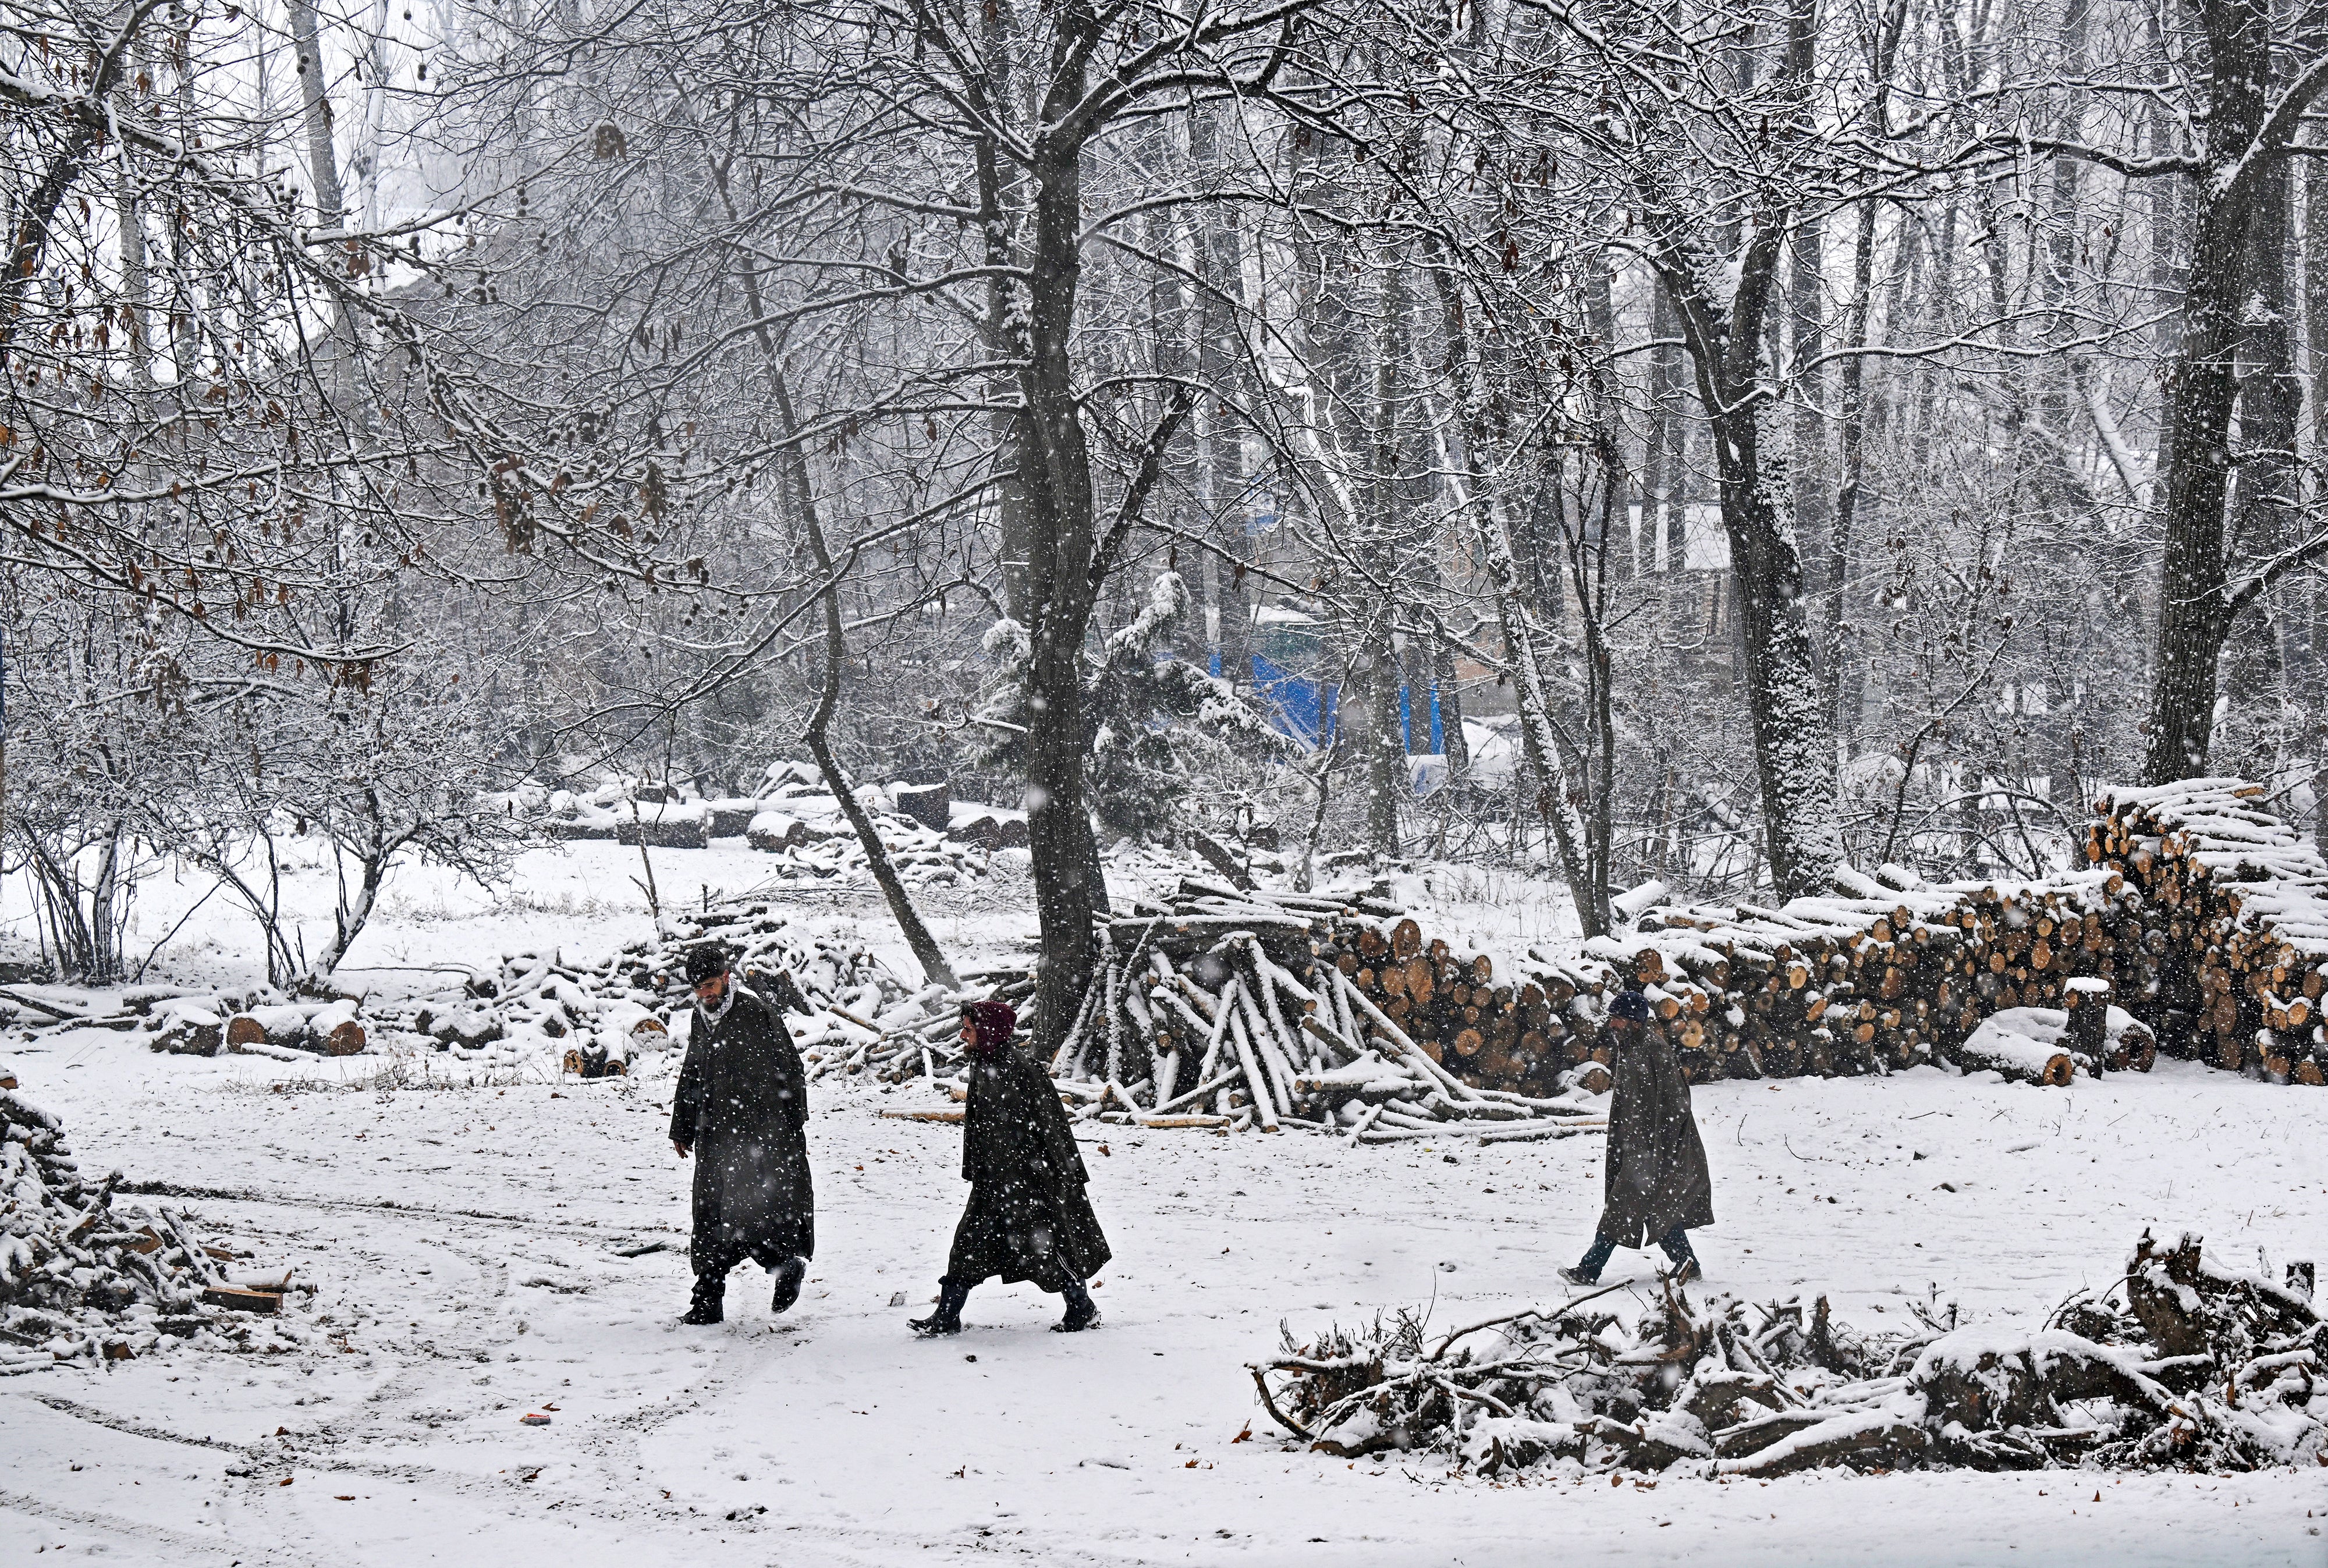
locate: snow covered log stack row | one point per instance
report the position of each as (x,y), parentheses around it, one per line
(261,1023)
(2201,1369)
(1878,976)
(808,852)
(1890,971)
(84,1275)
(2238,914)
(796,819)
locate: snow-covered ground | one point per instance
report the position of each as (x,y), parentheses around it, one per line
(465,1243)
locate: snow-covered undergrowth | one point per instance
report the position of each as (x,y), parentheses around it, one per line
(2197,1367)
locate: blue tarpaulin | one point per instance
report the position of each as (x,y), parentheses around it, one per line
(1303,709)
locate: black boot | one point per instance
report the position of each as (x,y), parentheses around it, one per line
(947,1318)
(1082,1312)
(704,1307)
(1676,1243)
(788,1275)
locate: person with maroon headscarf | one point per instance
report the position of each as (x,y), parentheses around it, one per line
(1029,1217)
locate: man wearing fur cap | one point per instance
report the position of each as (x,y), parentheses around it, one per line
(742,1109)
(1028,1217)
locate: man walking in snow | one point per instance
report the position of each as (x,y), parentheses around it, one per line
(742,1109)
(1656,1186)
(1028,1217)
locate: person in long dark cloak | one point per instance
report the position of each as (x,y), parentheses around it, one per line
(1028,1217)
(742,1109)
(1655,1187)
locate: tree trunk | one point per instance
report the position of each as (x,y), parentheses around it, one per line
(1806,291)
(1794,754)
(1062,587)
(2196,602)
(2263,511)
(1841,659)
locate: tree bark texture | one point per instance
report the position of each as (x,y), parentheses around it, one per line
(2245,134)
(1055,472)
(1794,753)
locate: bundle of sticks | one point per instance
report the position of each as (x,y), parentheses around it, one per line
(2238,907)
(2200,1368)
(1237,1009)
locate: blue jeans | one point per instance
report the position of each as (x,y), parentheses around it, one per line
(1676,1243)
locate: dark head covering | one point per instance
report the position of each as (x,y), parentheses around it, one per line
(706,961)
(994,1020)
(1630,1004)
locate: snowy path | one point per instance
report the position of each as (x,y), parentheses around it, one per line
(830,1436)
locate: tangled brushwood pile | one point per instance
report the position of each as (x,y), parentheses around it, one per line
(2200,1369)
(2239,906)
(84,1274)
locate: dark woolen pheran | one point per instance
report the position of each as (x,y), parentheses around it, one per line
(1028,1217)
(1657,1177)
(742,1107)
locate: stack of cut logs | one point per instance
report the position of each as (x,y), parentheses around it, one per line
(2237,921)
(1259,1006)
(1890,972)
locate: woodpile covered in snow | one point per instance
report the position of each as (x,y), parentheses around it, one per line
(1979,977)
(811,850)
(85,1274)
(592,1018)
(2239,921)
(2197,1368)
(1231,1008)
(796,819)
(1890,971)
(259,1023)
(607,1013)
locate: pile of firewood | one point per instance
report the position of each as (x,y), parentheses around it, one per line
(803,851)
(1235,1009)
(85,1275)
(598,1017)
(2237,931)
(1280,997)
(2201,1369)
(1890,971)
(260,1023)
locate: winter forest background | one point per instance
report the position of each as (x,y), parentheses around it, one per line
(1703,441)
